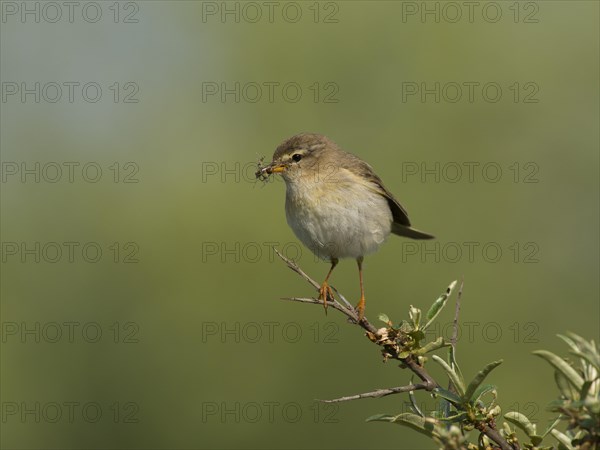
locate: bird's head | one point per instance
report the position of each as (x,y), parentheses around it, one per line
(301,157)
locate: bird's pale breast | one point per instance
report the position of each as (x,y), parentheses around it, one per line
(338,219)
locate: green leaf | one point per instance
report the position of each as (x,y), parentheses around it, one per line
(473,385)
(453,362)
(439,415)
(456,418)
(413,402)
(585,389)
(448,395)
(591,358)
(587,424)
(444,409)
(380,418)
(405,327)
(456,379)
(415,316)
(417,335)
(582,348)
(562,439)
(437,306)
(385,319)
(565,387)
(582,343)
(481,444)
(551,427)
(482,390)
(570,342)
(593,404)
(560,364)
(431,346)
(557,405)
(421,424)
(521,421)
(536,440)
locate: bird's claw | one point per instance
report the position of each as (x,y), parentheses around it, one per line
(325,293)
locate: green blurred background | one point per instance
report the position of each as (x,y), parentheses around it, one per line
(195,228)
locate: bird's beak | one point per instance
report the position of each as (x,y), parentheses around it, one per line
(271,168)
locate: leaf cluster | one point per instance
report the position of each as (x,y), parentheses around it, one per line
(466,406)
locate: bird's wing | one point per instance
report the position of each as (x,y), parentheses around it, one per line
(401,223)
(373,182)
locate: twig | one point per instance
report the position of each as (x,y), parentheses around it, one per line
(292,265)
(333,304)
(420,371)
(454,338)
(495,436)
(428,383)
(378,393)
(348,311)
(456,313)
(346,302)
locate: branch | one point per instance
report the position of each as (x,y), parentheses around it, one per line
(418,370)
(495,436)
(454,337)
(346,309)
(379,393)
(428,383)
(292,265)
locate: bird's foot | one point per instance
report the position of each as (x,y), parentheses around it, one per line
(325,293)
(360,308)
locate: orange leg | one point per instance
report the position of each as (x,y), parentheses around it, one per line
(361,303)
(325,291)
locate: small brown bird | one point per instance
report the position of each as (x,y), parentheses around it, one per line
(336,204)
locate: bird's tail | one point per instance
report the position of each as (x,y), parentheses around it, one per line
(403,230)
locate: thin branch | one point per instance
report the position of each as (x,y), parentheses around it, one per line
(378,393)
(348,311)
(420,371)
(333,304)
(454,338)
(456,313)
(428,383)
(495,436)
(346,302)
(292,265)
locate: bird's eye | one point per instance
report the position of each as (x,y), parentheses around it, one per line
(297,157)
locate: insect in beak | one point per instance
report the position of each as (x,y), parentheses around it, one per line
(264,172)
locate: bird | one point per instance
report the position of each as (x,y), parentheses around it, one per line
(336,204)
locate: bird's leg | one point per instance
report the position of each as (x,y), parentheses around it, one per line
(361,303)
(325,291)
